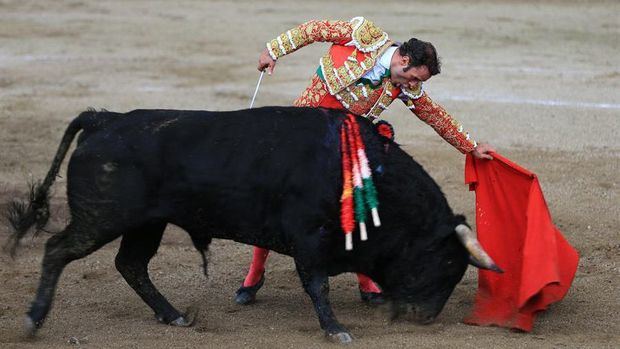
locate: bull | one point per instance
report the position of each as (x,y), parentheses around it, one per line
(269,177)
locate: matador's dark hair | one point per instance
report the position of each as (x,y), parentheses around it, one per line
(421,53)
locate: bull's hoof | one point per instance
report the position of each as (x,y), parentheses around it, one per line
(30,328)
(181,322)
(341,337)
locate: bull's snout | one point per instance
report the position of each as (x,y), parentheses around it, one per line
(424,319)
(418,314)
(423,316)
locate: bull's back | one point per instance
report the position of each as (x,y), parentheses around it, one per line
(237,168)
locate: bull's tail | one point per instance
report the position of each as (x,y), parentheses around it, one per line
(23,215)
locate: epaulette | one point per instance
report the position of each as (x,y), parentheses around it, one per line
(366,36)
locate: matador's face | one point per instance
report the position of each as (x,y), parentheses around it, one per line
(409,78)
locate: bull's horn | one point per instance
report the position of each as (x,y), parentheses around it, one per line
(478,257)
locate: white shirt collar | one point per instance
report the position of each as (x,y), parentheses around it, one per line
(386,58)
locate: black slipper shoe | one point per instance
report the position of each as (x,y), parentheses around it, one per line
(372,298)
(247,295)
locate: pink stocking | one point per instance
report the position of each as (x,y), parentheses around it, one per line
(366,284)
(257,268)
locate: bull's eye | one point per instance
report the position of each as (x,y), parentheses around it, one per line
(449,262)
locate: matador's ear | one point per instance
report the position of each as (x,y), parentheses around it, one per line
(386,132)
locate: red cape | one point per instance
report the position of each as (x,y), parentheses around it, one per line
(515,228)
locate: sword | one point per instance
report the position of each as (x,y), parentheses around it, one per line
(257,86)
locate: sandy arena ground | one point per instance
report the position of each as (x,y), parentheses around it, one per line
(540,81)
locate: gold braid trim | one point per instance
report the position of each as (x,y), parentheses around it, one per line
(313,94)
(354,99)
(338,79)
(358,32)
(383,101)
(414,93)
(366,35)
(338,32)
(437,118)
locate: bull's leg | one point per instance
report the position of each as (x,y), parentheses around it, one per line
(137,249)
(201,243)
(73,243)
(316,285)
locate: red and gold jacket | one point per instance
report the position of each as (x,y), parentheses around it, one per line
(357,45)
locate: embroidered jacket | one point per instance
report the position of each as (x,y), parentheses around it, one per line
(338,83)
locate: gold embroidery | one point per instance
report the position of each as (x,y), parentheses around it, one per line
(383,101)
(446,126)
(313,94)
(355,101)
(338,32)
(270,48)
(327,68)
(339,78)
(414,93)
(285,43)
(366,35)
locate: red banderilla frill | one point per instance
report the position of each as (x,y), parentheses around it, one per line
(358,193)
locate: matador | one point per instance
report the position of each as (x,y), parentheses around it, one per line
(362,73)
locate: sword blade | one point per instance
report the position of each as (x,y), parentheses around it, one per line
(256,90)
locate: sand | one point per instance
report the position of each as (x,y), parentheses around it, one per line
(539,81)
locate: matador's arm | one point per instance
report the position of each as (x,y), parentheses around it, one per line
(436,116)
(358,32)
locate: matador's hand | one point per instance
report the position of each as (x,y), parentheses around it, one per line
(266,62)
(482,151)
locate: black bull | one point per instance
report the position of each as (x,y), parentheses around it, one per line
(269,177)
